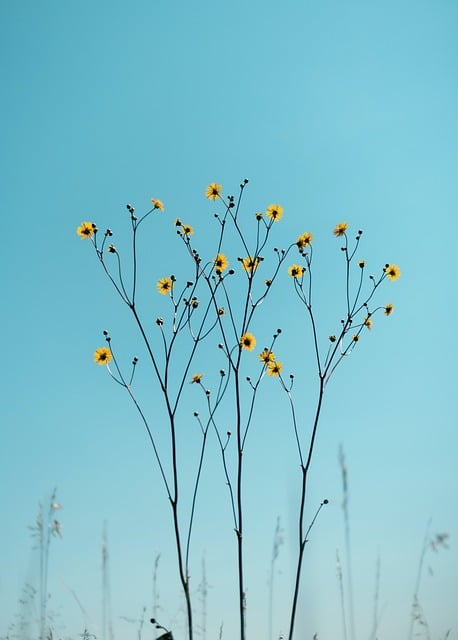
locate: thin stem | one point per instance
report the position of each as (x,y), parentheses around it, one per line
(301,538)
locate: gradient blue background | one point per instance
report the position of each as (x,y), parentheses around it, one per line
(337,110)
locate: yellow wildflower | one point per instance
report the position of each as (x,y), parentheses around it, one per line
(164,285)
(157,204)
(221,263)
(389,309)
(197,377)
(275,212)
(296,270)
(86,230)
(187,229)
(274,368)
(392,271)
(304,240)
(368,322)
(102,355)
(340,229)
(213,191)
(248,341)
(250,264)
(267,356)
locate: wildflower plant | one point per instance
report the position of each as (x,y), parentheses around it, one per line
(219,303)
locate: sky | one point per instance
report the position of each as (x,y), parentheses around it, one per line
(337,111)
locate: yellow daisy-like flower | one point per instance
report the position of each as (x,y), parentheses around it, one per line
(296,270)
(392,271)
(164,285)
(197,377)
(274,368)
(250,264)
(187,229)
(213,191)
(340,229)
(248,341)
(102,355)
(368,322)
(274,211)
(85,230)
(304,240)
(267,356)
(221,263)
(388,309)
(157,204)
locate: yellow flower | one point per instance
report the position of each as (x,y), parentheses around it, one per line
(304,240)
(86,230)
(274,211)
(296,270)
(267,356)
(389,309)
(102,355)
(392,271)
(221,263)
(164,285)
(248,341)
(250,264)
(157,204)
(213,191)
(340,229)
(197,377)
(274,368)
(187,229)
(368,322)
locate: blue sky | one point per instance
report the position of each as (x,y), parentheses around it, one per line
(336,110)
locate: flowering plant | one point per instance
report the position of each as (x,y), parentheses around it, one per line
(220,303)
